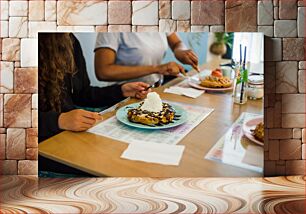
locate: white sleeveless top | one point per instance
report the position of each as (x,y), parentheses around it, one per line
(145,48)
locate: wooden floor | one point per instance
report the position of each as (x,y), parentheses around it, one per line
(139,195)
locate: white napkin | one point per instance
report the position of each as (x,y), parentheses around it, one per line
(154,153)
(188,92)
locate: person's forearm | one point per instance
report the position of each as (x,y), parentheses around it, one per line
(120,72)
(175,43)
(179,46)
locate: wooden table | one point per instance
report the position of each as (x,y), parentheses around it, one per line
(101,156)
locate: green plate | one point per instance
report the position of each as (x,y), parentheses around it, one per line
(122,117)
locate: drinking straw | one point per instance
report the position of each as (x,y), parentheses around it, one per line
(243,68)
(240,57)
(245,49)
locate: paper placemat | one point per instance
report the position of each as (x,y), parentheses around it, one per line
(237,150)
(114,129)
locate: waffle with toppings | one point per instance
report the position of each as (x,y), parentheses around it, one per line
(137,115)
(258,132)
(216,80)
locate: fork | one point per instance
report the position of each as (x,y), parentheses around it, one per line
(154,85)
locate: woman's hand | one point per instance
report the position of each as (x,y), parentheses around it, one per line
(187,57)
(135,89)
(180,51)
(78,120)
(171,68)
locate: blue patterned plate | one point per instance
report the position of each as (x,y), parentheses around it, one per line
(122,117)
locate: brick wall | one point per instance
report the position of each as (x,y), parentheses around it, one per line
(285,86)
(283,20)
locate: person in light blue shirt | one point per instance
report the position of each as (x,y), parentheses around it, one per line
(138,56)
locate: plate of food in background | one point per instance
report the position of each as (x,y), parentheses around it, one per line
(213,82)
(253,129)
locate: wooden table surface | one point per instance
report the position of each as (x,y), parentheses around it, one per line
(100,156)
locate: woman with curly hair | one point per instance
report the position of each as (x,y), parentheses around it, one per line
(64,84)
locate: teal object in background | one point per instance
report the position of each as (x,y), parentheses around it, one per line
(197,41)
(121,115)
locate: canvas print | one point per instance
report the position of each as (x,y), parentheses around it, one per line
(151,104)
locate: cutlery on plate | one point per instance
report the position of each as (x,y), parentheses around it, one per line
(197,69)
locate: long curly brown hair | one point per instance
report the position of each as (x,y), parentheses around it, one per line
(56,60)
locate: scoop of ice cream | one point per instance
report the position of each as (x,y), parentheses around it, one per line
(152,103)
